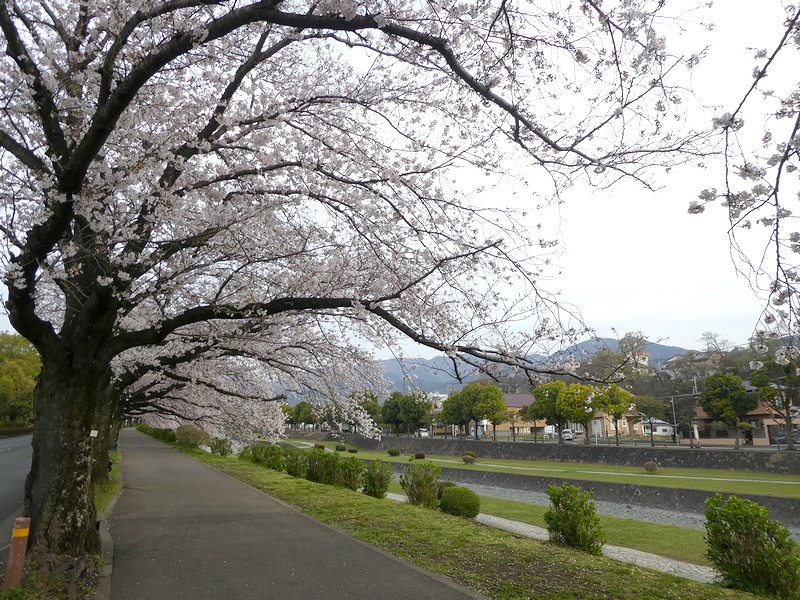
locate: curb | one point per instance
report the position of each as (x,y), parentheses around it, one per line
(103,589)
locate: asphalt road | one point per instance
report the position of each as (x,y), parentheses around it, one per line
(15,462)
(182,530)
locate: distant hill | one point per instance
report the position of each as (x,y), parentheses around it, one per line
(431,374)
(434,375)
(659,353)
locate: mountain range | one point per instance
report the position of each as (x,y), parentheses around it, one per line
(435,375)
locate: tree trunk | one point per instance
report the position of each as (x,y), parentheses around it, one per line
(789,432)
(59,496)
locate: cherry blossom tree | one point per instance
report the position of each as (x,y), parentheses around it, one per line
(204,202)
(760,140)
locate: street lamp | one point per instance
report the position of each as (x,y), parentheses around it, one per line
(674,423)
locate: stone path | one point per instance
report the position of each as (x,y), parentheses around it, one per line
(628,555)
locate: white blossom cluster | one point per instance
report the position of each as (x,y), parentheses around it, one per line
(203,206)
(761,178)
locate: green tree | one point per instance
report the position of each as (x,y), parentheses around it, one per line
(579,402)
(616,403)
(648,410)
(390,411)
(545,406)
(415,409)
(779,388)
(455,411)
(19,368)
(303,412)
(725,399)
(491,405)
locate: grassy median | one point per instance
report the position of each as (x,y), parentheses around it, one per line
(498,564)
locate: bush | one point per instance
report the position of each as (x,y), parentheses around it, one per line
(352,450)
(471,453)
(321,446)
(314,458)
(221,446)
(393,452)
(322,466)
(269,456)
(441,486)
(295,462)
(376,479)
(460,502)
(650,466)
(331,471)
(351,471)
(420,483)
(341,447)
(420,456)
(751,552)
(572,521)
(164,435)
(468,459)
(190,436)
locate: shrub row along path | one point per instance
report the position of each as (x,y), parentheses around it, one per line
(182,530)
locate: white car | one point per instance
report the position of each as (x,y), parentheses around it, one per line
(566,435)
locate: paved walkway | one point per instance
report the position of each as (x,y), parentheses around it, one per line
(182,530)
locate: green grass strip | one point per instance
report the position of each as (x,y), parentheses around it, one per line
(500,565)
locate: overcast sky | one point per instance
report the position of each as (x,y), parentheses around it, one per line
(654,268)
(633,260)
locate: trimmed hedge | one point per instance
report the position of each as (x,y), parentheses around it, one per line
(460,502)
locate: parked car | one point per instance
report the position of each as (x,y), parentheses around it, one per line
(779,437)
(422,432)
(566,435)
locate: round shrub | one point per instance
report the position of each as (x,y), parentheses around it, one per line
(341,447)
(460,502)
(471,453)
(352,450)
(321,446)
(393,452)
(420,456)
(650,466)
(468,459)
(442,486)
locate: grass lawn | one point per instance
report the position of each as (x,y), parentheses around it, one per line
(500,565)
(679,543)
